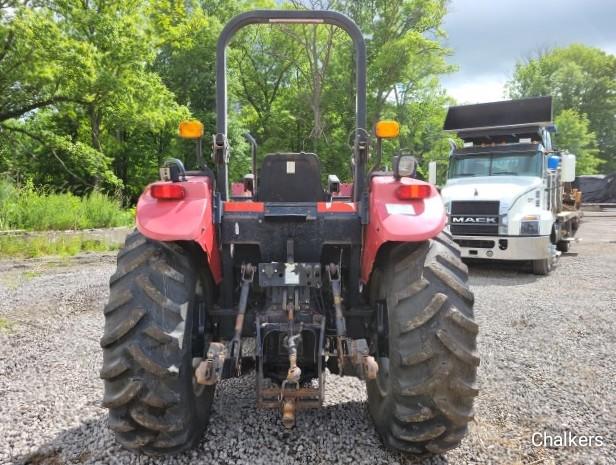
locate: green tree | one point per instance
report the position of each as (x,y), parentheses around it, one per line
(95,114)
(186,33)
(39,65)
(314,80)
(575,136)
(40,71)
(92,91)
(580,78)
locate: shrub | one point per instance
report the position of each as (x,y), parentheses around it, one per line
(37,210)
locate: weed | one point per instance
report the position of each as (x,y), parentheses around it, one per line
(5,325)
(31,274)
(38,246)
(38,210)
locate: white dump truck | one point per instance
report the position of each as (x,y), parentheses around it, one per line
(508,193)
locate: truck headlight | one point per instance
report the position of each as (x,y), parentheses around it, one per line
(503,225)
(530,226)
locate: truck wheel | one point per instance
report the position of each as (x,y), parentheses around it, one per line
(155,405)
(425,345)
(562,246)
(542,267)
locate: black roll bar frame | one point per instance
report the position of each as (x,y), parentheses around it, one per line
(221,145)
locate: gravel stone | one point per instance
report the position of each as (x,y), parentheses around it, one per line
(547,346)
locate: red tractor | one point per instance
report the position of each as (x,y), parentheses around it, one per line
(363,285)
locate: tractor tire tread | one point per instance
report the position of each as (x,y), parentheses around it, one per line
(113,368)
(120,424)
(147,361)
(433,356)
(130,320)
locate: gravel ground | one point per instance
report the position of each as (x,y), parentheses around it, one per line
(548,348)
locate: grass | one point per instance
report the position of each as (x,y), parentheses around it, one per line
(31,274)
(32,247)
(33,209)
(5,325)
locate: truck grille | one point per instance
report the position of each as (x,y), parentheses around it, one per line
(474,218)
(475,243)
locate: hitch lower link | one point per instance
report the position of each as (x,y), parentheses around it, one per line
(365,365)
(209,371)
(248,273)
(353,352)
(217,365)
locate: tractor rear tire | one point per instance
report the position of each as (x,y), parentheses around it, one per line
(422,399)
(155,405)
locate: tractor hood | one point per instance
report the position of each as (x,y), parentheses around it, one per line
(505,189)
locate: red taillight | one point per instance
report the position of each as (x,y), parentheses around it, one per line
(413,191)
(167,191)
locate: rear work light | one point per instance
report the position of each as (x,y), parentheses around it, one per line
(167,191)
(413,191)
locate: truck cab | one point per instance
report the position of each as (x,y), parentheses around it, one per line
(507,187)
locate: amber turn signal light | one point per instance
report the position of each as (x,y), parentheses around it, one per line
(190,129)
(387,129)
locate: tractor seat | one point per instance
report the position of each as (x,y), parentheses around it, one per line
(291,177)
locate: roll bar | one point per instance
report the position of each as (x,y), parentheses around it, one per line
(221,145)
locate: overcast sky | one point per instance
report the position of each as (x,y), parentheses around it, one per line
(489,36)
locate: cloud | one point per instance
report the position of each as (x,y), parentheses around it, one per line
(484,88)
(489,36)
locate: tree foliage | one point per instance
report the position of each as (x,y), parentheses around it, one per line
(582,79)
(309,72)
(575,136)
(83,108)
(91,91)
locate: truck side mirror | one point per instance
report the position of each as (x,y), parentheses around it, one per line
(432,172)
(567,173)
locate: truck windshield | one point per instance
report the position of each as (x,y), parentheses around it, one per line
(496,164)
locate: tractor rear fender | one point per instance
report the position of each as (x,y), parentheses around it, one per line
(396,220)
(187,219)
